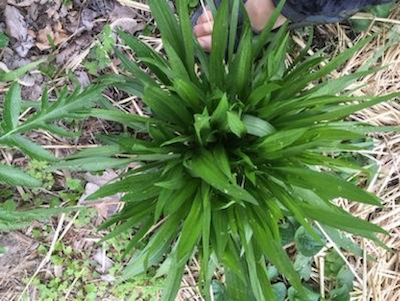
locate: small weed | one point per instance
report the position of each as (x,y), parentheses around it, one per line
(38,170)
(85,217)
(49,69)
(99,56)
(6,193)
(73,192)
(82,281)
(4,40)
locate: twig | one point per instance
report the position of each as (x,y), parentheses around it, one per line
(365,273)
(69,225)
(71,288)
(135,4)
(322,276)
(373,18)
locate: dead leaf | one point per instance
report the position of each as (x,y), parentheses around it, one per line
(33,12)
(24,3)
(83,78)
(108,278)
(3,67)
(105,206)
(103,179)
(43,37)
(22,48)
(60,34)
(58,270)
(123,12)
(49,36)
(34,91)
(28,80)
(101,7)
(128,25)
(66,53)
(31,33)
(18,29)
(101,258)
(124,18)
(87,18)
(15,22)
(52,12)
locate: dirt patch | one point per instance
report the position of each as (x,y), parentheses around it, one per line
(63,32)
(19,261)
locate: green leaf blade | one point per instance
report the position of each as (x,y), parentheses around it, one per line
(12,107)
(16,177)
(219,46)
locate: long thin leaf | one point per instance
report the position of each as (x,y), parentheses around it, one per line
(167,107)
(219,46)
(241,68)
(143,51)
(134,69)
(328,184)
(346,221)
(263,38)
(191,231)
(92,164)
(295,87)
(31,149)
(12,107)
(187,36)
(168,25)
(257,126)
(337,114)
(204,167)
(15,74)
(12,176)
(275,254)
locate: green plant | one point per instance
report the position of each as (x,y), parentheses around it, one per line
(6,76)
(379,11)
(38,170)
(4,40)
(238,143)
(11,129)
(99,56)
(11,219)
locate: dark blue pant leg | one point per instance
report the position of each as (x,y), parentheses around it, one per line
(308,12)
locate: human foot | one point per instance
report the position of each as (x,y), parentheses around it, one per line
(259,11)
